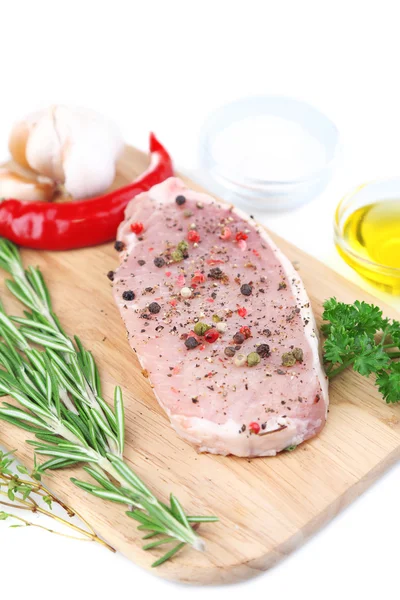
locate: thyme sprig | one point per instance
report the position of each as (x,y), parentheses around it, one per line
(23,490)
(57,384)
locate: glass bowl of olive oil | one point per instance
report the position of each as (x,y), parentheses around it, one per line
(367,232)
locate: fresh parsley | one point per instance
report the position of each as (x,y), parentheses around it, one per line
(358,336)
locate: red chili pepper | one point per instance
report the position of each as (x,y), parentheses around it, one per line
(67,225)
(193,236)
(211,336)
(254,427)
(137,227)
(241,235)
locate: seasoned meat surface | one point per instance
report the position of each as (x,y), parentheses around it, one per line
(221,321)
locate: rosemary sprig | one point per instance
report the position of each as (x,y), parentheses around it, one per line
(23,491)
(59,391)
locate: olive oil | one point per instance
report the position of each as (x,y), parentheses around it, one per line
(373,233)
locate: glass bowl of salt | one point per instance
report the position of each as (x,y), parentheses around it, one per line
(268,152)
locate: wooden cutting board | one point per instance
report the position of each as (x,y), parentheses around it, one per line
(267,506)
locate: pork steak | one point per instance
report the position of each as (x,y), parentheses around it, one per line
(221,322)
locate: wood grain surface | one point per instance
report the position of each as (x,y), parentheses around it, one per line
(267,506)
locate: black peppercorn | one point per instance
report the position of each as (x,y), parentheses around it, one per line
(263,350)
(154,308)
(216,273)
(110,275)
(230,351)
(191,343)
(239,338)
(267,332)
(159,261)
(119,246)
(246,289)
(180,200)
(128,295)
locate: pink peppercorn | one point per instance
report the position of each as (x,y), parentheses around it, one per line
(211,335)
(254,427)
(197,278)
(137,227)
(193,236)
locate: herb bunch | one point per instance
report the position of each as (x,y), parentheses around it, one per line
(23,490)
(57,384)
(358,336)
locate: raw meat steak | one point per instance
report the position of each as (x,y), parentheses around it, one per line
(221,322)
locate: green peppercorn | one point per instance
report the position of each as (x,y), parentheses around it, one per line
(176,255)
(201,328)
(253,359)
(298,354)
(288,359)
(183,246)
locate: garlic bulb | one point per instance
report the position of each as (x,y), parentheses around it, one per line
(73,146)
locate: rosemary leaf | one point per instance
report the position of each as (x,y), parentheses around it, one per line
(56,382)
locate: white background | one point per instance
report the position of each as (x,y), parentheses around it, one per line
(164,66)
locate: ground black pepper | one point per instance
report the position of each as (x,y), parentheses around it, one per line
(111,275)
(141,262)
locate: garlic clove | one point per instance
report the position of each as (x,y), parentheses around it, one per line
(25,187)
(44,148)
(92,145)
(19,138)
